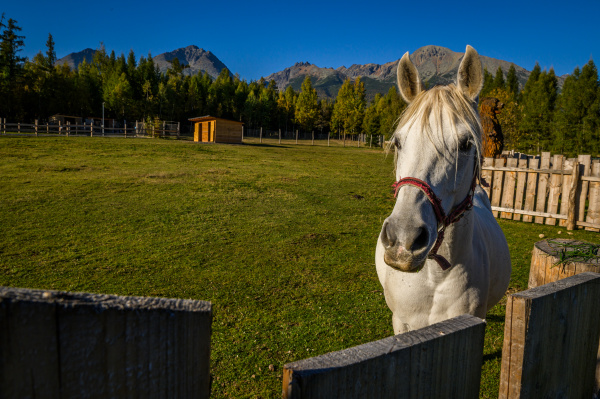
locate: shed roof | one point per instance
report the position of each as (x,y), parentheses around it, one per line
(207,118)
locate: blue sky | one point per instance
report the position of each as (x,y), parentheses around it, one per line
(256,38)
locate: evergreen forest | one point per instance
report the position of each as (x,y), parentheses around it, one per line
(537,117)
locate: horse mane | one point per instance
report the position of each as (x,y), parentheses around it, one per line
(431,106)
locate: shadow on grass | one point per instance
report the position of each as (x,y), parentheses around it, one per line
(495,318)
(493,356)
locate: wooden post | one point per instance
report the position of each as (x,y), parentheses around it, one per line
(439,361)
(125,130)
(593,213)
(572,208)
(328,134)
(508,195)
(76,128)
(582,195)
(498,177)
(242,132)
(279,136)
(521,179)
(555,188)
(296,136)
(92,129)
(313,138)
(36,128)
(532,178)
(47,127)
(551,340)
(178,128)
(19,127)
(68,128)
(164,128)
(542,187)
(260,135)
(60,344)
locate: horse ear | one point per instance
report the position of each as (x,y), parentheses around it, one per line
(470,74)
(409,83)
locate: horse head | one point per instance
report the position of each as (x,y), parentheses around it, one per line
(437,145)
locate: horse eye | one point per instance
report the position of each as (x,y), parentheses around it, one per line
(465,146)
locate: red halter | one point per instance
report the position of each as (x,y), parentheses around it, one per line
(443,220)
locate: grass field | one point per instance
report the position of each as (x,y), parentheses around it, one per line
(280,239)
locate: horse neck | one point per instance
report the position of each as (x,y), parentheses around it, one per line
(457,246)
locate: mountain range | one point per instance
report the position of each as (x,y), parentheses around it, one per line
(436,65)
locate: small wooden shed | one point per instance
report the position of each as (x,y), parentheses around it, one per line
(209,129)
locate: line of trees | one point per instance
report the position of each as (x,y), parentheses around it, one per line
(540,118)
(133,89)
(536,118)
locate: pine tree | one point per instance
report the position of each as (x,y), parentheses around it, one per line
(499,80)
(512,82)
(307,105)
(488,83)
(538,99)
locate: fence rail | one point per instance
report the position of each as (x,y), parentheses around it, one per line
(139,129)
(545,190)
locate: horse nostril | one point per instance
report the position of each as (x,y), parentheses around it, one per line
(421,241)
(388,238)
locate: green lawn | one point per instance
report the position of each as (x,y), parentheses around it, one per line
(280,239)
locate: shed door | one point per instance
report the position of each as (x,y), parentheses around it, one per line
(205,127)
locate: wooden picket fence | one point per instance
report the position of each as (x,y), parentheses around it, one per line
(545,189)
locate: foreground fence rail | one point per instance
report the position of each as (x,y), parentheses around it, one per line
(545,189)
(551,340)
(73,345)
(439,361)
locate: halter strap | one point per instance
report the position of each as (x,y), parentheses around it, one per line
(455,215)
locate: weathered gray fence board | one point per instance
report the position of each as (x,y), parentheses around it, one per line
(442,360)
(551,340)
(78,345)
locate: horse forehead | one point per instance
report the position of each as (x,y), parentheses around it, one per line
(435,132)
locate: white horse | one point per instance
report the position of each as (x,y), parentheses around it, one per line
(440,253)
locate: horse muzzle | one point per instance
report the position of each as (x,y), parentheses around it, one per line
(405,250)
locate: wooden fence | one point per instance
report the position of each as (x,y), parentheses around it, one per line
(545,189)
(138,129)
(76,345)
(550,347)
(439,361)
(551,337)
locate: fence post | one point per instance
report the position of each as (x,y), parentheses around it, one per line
(68,128)
(101,344)
(36,128)
(178,127)
(260,134)
(92,129)
(125,130)
(571,210)
(279,136)
(328,134)
(19,127)
(76,128)
(547,328)
(164,124)
(296,136)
